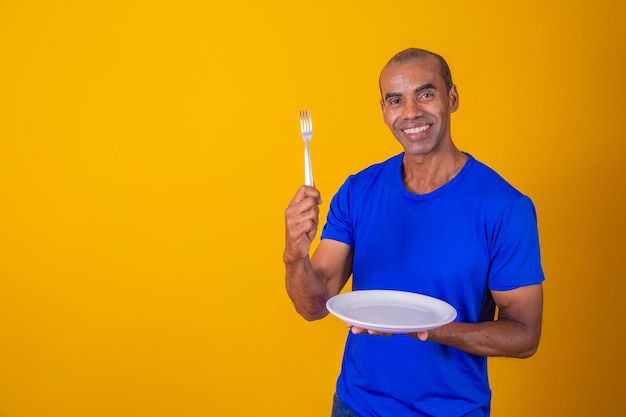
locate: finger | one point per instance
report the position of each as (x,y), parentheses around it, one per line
(357,330)
(302,213)
(307,191)
(377,333)
(301,224)
(312,192)
(297,207)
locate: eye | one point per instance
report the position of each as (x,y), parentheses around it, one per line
(426,96)
(394,101)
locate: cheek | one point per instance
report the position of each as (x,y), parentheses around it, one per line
(388,118)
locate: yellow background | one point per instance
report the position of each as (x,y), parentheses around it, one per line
(149,148)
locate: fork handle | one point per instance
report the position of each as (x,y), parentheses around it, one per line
(308,174)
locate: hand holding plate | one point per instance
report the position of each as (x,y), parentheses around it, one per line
(361,330)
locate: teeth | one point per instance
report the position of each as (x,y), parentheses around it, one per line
(415,130)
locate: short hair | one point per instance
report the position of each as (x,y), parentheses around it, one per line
(412,54)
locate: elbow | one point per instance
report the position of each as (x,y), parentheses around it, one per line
(527,353)
(529,350)
(313,316)
(311,313)
(310,308)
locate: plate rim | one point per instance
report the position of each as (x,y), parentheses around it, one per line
(450,315)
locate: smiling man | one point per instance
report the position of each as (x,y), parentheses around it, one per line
(431,220)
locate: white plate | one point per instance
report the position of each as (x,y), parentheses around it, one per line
(391,311)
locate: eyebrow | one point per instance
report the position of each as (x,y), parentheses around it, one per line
(427,86)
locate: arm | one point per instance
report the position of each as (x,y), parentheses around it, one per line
(515,333)
(311,281)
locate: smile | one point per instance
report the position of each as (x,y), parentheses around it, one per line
(415,130)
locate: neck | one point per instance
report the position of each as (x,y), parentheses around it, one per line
(423,174)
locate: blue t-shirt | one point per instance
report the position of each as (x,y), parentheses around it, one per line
(474,234)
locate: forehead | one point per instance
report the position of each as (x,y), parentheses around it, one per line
(411,74)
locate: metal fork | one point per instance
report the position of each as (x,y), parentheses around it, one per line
(306,128)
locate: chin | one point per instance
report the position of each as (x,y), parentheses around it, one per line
(420,149)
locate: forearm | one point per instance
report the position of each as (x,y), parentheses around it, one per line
(501,337)
(306,289)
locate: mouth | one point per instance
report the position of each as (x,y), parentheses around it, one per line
(416,130)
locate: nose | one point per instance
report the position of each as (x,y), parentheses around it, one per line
(412,109)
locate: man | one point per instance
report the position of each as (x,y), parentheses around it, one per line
(431,220)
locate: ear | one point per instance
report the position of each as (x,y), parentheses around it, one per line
(454,99)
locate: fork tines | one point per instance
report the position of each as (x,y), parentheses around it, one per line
(306,125)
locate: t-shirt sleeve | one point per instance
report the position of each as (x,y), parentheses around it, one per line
(515,259)
(339,224)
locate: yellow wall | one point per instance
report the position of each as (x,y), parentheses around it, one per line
(148,149)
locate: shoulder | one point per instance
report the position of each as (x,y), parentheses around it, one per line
(493,195)
(382,171)
(367,183)
(488,183)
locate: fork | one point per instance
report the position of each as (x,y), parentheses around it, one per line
(306,128)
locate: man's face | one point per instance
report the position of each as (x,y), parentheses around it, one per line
(416,105)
